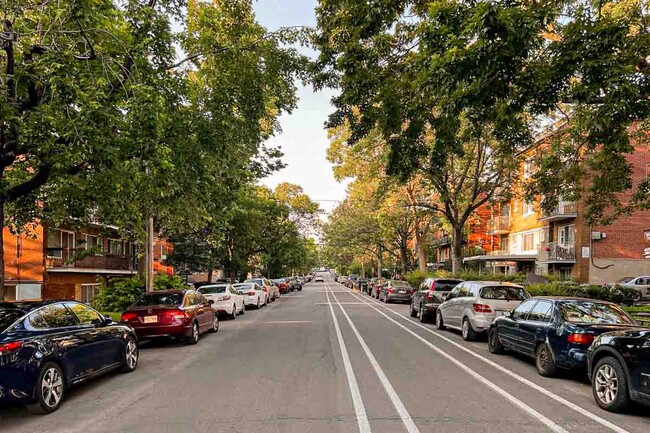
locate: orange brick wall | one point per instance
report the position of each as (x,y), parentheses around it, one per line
(23,255)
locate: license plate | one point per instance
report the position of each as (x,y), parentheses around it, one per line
(402,291)
(151,319)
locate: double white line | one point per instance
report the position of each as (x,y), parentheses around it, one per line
(362,417)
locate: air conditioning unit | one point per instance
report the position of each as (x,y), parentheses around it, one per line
(596,236)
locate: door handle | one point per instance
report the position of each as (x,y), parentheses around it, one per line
(517,325)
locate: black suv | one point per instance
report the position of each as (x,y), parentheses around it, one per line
(430,295)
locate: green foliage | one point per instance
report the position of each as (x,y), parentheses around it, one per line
(119,295)
(168,282)
(415,278)
(617,295)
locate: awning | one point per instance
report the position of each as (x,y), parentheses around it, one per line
(502,258)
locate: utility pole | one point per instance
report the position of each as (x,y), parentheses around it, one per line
(149,256)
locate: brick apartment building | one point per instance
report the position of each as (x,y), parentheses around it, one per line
(562,243)
(70,263)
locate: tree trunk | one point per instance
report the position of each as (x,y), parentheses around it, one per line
(403,257)
(2,251)
(210,274)
(379,261)
(422,254)
(457,250)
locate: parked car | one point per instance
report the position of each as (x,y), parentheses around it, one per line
(172,313)
(254,295)
(396,291)
(283,285)
(619,368)
(362,284)
(471,306)
(556,331)
(48,346)
(351,281)
(432,293)
(376,287)
(272,291)
(640,284)
(227,299)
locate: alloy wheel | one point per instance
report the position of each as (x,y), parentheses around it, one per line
(465,329)
(606,384)
(131,354)
(52,387)
(195,332)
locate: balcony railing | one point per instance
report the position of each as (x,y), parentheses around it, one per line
(71,258)
(564,209)
(499,225)
(498,253)
(560,252)
(444,240)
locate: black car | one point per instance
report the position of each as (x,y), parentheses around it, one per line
(619,368)
(430,295)
(362,284)
(556,331)
(48,346)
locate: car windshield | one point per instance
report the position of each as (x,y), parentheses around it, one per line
(625,280)
(257,281)
(209,290)
(594,312)
(504,293)
(165,299)
(243,287)
(8,317)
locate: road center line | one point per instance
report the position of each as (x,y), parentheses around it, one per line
(394,398)
(359,408)
(502,369)
(514,400)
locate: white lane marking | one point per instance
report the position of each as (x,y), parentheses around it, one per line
(394,398)
(289,322)
(514,400)
(521,379)
(342,303)
(359,408)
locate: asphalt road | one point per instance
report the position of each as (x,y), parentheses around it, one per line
(328,360)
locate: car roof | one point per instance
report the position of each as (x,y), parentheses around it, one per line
(27,306)
(572,299)
(169,292)
(215,285)
(494,283)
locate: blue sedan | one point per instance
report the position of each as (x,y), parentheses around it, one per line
(556,331)
(48,346)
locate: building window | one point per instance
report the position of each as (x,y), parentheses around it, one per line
(60,243)
(503,243)
(88,292)
(116,247)
(529,169)
(528,241)
(566,235)
(528,208)
(94,242)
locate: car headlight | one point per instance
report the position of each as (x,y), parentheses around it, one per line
(646,345)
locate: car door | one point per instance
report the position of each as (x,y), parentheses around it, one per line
(203,311)
(422,291)
(105,342)
(239,299)
(447,307)
(535,326)
(458,305)
(512,331)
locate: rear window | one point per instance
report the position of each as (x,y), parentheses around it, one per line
(8,317)
(504,293)
(258,281)
(400,284)
(244,286)
(446,285)
(209,290)
(164,299)
(593,312)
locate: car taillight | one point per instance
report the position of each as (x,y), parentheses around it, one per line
(266,289)
(128,316)
(170,316)
(252,293)
(585,339)
(482,308)
(390,290)
(10,347)
(225,298)
(433,286)
(430,294)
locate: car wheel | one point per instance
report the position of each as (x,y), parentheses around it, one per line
(215,324)
(194,338)
(131,356)
(258,303)
(233,315)
(544,361)
(414,312)
(467,331)
(424,318)
(49,390)
(609,385)
(243,308)
(494,344)
(439,323)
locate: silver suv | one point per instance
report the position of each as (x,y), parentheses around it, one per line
(472,306)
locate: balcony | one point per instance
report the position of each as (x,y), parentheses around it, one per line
(441,241)
(564,210)
(71,260)
(559,253)
(499,225)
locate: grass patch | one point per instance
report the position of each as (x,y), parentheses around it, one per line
(115,316)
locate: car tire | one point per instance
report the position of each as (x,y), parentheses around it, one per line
(50,379)
(258,304)
(414,312)
(215,324)
(131,356)
(609,385)
(424,317)
(544,361)
(233,315)
(194,338)
(243,308)
(494,344)
(467,331)
(440,325)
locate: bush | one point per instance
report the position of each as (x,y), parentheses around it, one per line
(416,277)
(168,282)
(617,295)
(119,295)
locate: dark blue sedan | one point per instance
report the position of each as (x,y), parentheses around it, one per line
(556,331)
(48,346)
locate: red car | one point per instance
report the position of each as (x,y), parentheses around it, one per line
(172,313)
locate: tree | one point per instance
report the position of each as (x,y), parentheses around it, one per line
(423,72)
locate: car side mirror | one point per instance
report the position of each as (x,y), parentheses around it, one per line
(107,320)
(507,314)
(210,302)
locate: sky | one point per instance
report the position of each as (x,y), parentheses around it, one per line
(303,138)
